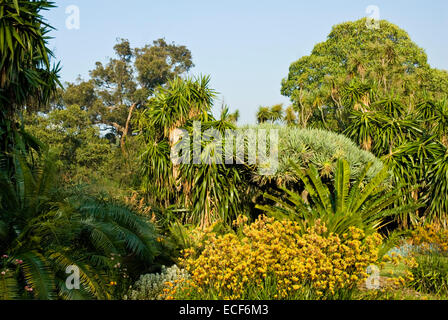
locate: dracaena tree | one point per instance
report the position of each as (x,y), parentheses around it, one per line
(208,190)
(27,77)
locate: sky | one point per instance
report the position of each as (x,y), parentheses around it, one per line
(246,46)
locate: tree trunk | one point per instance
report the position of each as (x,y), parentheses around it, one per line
(126,128)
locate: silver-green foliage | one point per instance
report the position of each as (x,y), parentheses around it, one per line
(321,148)
(150,286)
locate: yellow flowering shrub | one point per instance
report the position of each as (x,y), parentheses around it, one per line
(431,235)
(230,265)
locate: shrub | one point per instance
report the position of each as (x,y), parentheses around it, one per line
(430,274)
(341,206)
(431,237)
(320,148)
(56,228)
(273,260)
(155,286)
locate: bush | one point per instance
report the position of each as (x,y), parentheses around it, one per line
(155,286)
(320,148)
(343,205)
(431,274)
(431,237)
(271,260)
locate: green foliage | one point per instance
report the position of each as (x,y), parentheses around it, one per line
(413,144)
(151,286)
(355,67)
(346,204)
(26,74)
(385,56)
(74,139)
(123,85)
(321,148)
(431,274)
(208,189)
(270,114)
(44,231)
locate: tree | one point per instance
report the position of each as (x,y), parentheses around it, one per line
(235,116)
(290,116)
(263,114)
(81,152)
(384,59)
(26,75)
(276,112)
(123,85)
(209,189)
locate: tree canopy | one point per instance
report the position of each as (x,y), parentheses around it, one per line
(126,82)
(385,58)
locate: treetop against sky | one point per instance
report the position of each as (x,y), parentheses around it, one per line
(246,46)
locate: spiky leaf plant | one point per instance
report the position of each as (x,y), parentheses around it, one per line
(346,204)
(42,232)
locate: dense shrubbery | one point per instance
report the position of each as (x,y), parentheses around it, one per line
(137,211)
(156,286)
(44,229)
(278,260)
(430,275)
(321,148)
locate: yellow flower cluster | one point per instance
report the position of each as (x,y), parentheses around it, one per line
(172,287)
(431,235)
(230,264)
(398,278)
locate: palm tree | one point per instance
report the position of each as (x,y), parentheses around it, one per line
(170,109)
(357,64)
(438,174)
(276,113)
(290,116)
(207,190)
(423,163)
(181,100)
(435,117)
(357,95)
(235,116)
(362,204)
(363,128)
(25,70)
(263,114)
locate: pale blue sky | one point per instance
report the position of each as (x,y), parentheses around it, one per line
(246,46)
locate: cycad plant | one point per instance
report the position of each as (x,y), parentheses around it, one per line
(42,233)
(363,204)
